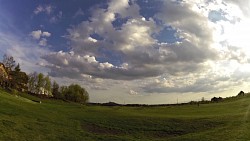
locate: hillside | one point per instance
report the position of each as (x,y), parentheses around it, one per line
(24,119)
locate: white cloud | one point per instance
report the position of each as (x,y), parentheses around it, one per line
(46,34)
(132,92)
(48,9)
(106,65)
(242,4)
(92,39)
(38,34)
(43,42)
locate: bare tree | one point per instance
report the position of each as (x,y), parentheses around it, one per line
(9,62)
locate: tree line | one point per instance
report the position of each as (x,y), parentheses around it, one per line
(12,78)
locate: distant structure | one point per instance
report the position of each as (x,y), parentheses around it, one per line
(216,99)
(3,75)
(13,79)
(241,93)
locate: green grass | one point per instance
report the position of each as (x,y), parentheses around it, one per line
(23,119)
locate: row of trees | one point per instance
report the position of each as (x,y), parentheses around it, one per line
(39,84)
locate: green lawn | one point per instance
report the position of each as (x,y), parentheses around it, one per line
(23,119)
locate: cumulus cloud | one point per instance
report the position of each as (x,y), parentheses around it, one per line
(46,34)
(242,4)
(43,42)
(142,53)
(38,34)
(103,48)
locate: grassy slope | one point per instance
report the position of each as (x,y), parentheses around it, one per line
(23,119)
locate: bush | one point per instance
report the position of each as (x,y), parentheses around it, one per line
(14,92)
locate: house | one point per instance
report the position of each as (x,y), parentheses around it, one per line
(3,75)
(241,93)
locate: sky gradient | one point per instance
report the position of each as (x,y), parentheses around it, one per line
(133,51)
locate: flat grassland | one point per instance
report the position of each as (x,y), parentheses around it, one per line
(22,119)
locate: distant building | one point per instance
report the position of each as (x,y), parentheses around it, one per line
(3,75)
(13,79)
(241,93)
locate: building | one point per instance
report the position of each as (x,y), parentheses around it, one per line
(3,75)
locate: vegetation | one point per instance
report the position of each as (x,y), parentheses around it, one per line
(75,93)
(12,78)
(23,119)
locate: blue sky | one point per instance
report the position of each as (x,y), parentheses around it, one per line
(133,51)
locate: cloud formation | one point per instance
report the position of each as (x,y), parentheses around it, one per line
(40,36)
(48,9)
(119,42)
(142,54)
(52,15)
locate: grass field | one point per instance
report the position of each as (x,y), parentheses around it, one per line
(22,119)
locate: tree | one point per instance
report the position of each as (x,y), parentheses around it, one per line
(47,86)
(75,93)
(16,79)
(9,62)
(55,91)
(32,82)
(17,68)
(19,80)
(40,84)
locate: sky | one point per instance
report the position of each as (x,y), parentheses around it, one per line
(133,51)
